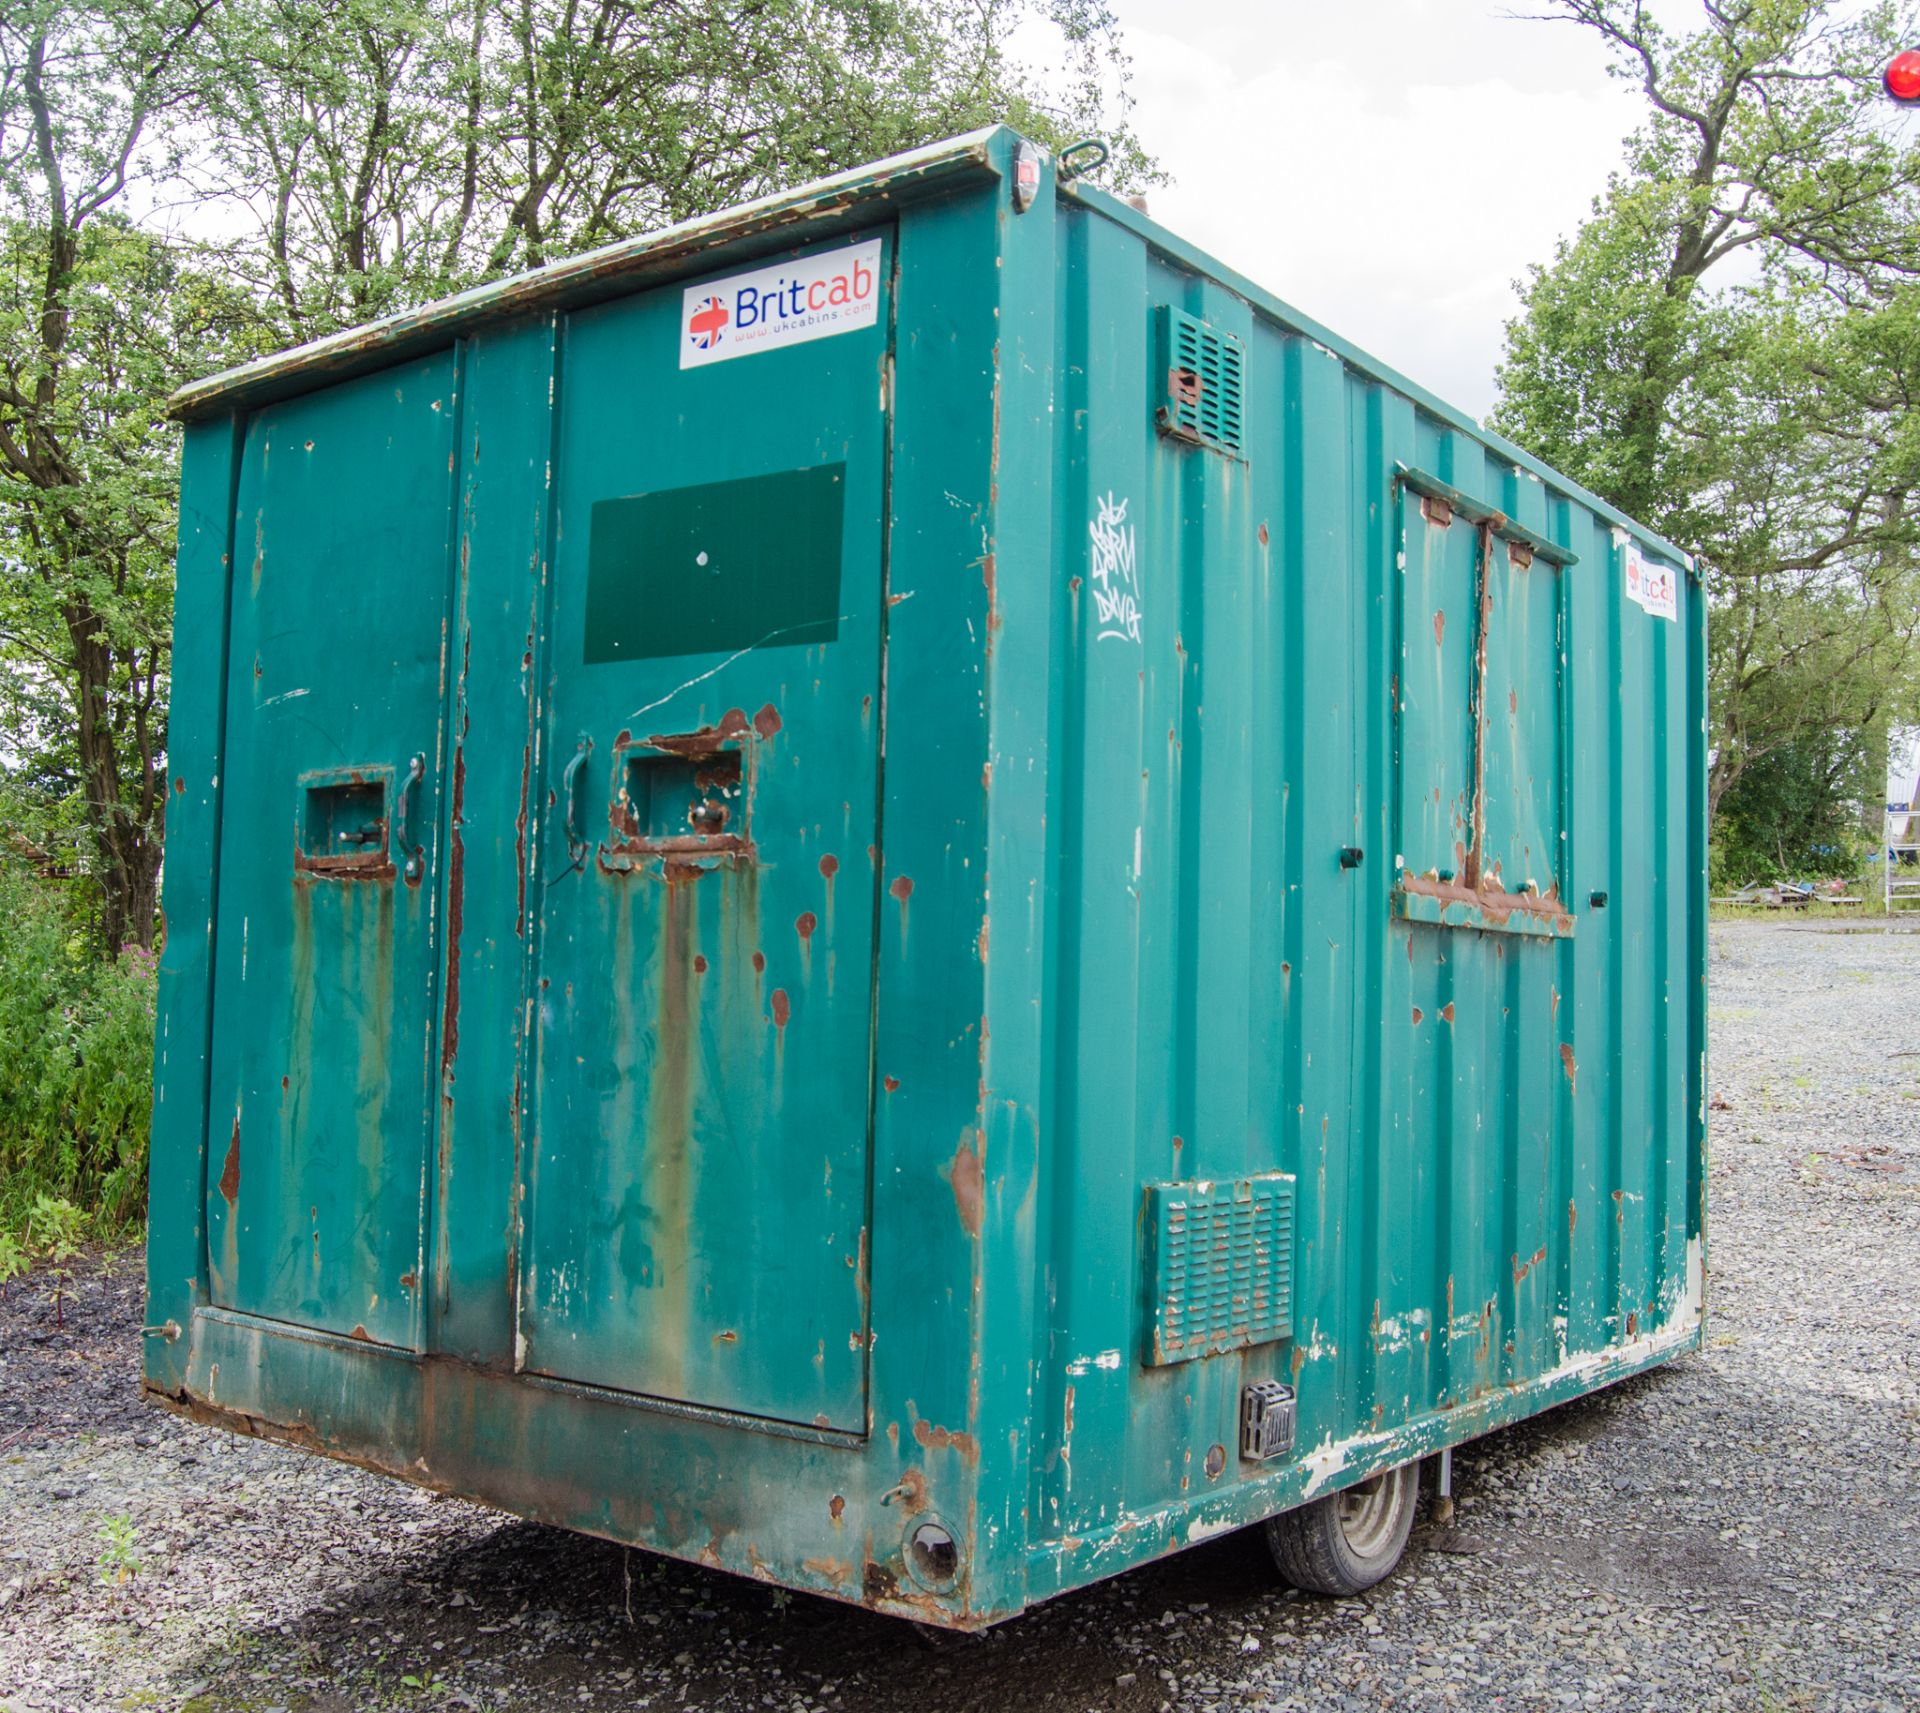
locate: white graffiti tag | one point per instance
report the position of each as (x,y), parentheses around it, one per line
(1116,605)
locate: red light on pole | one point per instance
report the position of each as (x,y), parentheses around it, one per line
(1903,78)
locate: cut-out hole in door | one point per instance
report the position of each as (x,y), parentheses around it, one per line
(344,823)
(677,802)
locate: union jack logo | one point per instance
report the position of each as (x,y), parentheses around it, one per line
(704,327)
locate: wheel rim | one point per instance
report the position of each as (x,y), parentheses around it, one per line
(1369,1513)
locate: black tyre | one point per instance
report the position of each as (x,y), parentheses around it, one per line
(1348,1541)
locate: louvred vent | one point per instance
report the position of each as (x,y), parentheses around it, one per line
(1205,379)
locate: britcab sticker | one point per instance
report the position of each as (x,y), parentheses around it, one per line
(836,291)
(1652,588)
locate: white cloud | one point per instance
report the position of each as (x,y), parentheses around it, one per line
(1389,167)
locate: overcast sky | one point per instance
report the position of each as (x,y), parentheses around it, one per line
(1390,167)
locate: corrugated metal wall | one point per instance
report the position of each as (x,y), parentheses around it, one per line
(1494,1133)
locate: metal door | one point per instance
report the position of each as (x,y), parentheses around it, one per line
(694,1223)
(323,1036)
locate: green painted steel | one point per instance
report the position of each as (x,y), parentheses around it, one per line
(774,942)
(695,1195)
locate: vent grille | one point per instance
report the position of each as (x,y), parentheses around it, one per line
(1205,378)
(1220,1266)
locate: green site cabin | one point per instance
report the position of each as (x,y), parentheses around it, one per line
(836,876)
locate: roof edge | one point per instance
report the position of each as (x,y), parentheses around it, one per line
(1192,256)
(592,275)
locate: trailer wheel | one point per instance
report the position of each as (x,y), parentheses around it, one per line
(1348,1541)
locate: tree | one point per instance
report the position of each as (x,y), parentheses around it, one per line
(1727,349)
(85,507)
(384,153)
(1790,813)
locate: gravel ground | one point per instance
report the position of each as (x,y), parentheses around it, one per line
(1737,1530)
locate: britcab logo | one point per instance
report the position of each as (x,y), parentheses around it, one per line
(1651,587)
(835,291)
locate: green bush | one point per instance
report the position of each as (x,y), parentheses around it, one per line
(76,1062)
(1795,813)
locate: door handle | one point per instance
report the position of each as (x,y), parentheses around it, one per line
(570,809)
(402,816)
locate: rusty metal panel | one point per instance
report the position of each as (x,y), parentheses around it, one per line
(1454,982)
(695,1220)
(492,885)
(1437,705)
(1219,1266)
(176,1200)
(768,1056)
(327,945)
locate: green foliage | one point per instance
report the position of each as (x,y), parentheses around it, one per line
(93,93)
(87,500)
(54,1227)
(377,154)
(119,1562)
(76,1076)
(1791,815)
(1729,349)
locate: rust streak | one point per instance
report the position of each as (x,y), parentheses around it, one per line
(456,906)
(520,842)
(1477,851)
(230,1174)
(780,1007)
(1566,1059)
(969,1185)
(947,1439)
(359,865)
(1490,900)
